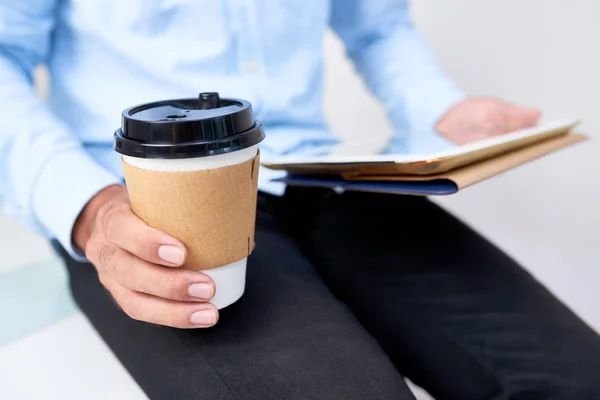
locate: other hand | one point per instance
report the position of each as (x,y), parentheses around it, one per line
(481,118)
(133,260)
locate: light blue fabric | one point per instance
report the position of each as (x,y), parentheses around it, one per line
(33,297)
(107,55)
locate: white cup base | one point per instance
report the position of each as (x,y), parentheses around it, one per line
(230,282)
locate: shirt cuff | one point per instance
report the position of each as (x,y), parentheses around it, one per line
(426,113)
(64,186)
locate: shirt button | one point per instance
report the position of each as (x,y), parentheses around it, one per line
(252,66)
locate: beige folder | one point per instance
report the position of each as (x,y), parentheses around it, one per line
(471,174)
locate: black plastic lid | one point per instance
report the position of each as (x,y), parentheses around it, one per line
(185,128)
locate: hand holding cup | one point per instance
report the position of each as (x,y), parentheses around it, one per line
(135,264)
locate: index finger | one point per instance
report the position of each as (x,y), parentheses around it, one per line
(125,230)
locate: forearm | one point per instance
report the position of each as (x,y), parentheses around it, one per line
(45,175)
(396,63)
(401,70)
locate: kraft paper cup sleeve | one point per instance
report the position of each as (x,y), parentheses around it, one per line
(211,211)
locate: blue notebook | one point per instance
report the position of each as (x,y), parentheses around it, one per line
(436,187)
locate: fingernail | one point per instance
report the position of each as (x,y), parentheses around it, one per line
(171,254)
(202,291)
(203,318)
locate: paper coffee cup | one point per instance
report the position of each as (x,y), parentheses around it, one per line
(191,168)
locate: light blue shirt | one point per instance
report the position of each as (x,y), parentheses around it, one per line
(107,55)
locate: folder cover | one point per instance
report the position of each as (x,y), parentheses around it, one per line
(443,174)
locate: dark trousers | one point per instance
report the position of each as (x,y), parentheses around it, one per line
(349,293)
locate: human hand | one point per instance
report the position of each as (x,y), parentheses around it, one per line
(481,118)
(132,259)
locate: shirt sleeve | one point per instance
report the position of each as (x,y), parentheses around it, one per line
(46,177)
(397,65)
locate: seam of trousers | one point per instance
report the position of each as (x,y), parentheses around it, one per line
(453,341)
(217,373)
(440,330)
(499,388)
(197,348)
(60,254)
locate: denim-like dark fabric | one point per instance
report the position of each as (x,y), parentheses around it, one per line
(348,293)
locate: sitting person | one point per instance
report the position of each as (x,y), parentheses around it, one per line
(347,293)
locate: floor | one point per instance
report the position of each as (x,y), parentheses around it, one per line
(41,327)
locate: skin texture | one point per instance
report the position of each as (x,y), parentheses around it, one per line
(481,118)
(138,264)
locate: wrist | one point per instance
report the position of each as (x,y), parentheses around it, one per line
(84,225)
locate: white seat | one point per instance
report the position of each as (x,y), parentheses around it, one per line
(48,349)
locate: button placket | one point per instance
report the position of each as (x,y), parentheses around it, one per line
(251,64)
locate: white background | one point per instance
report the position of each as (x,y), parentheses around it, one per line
(541,53)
